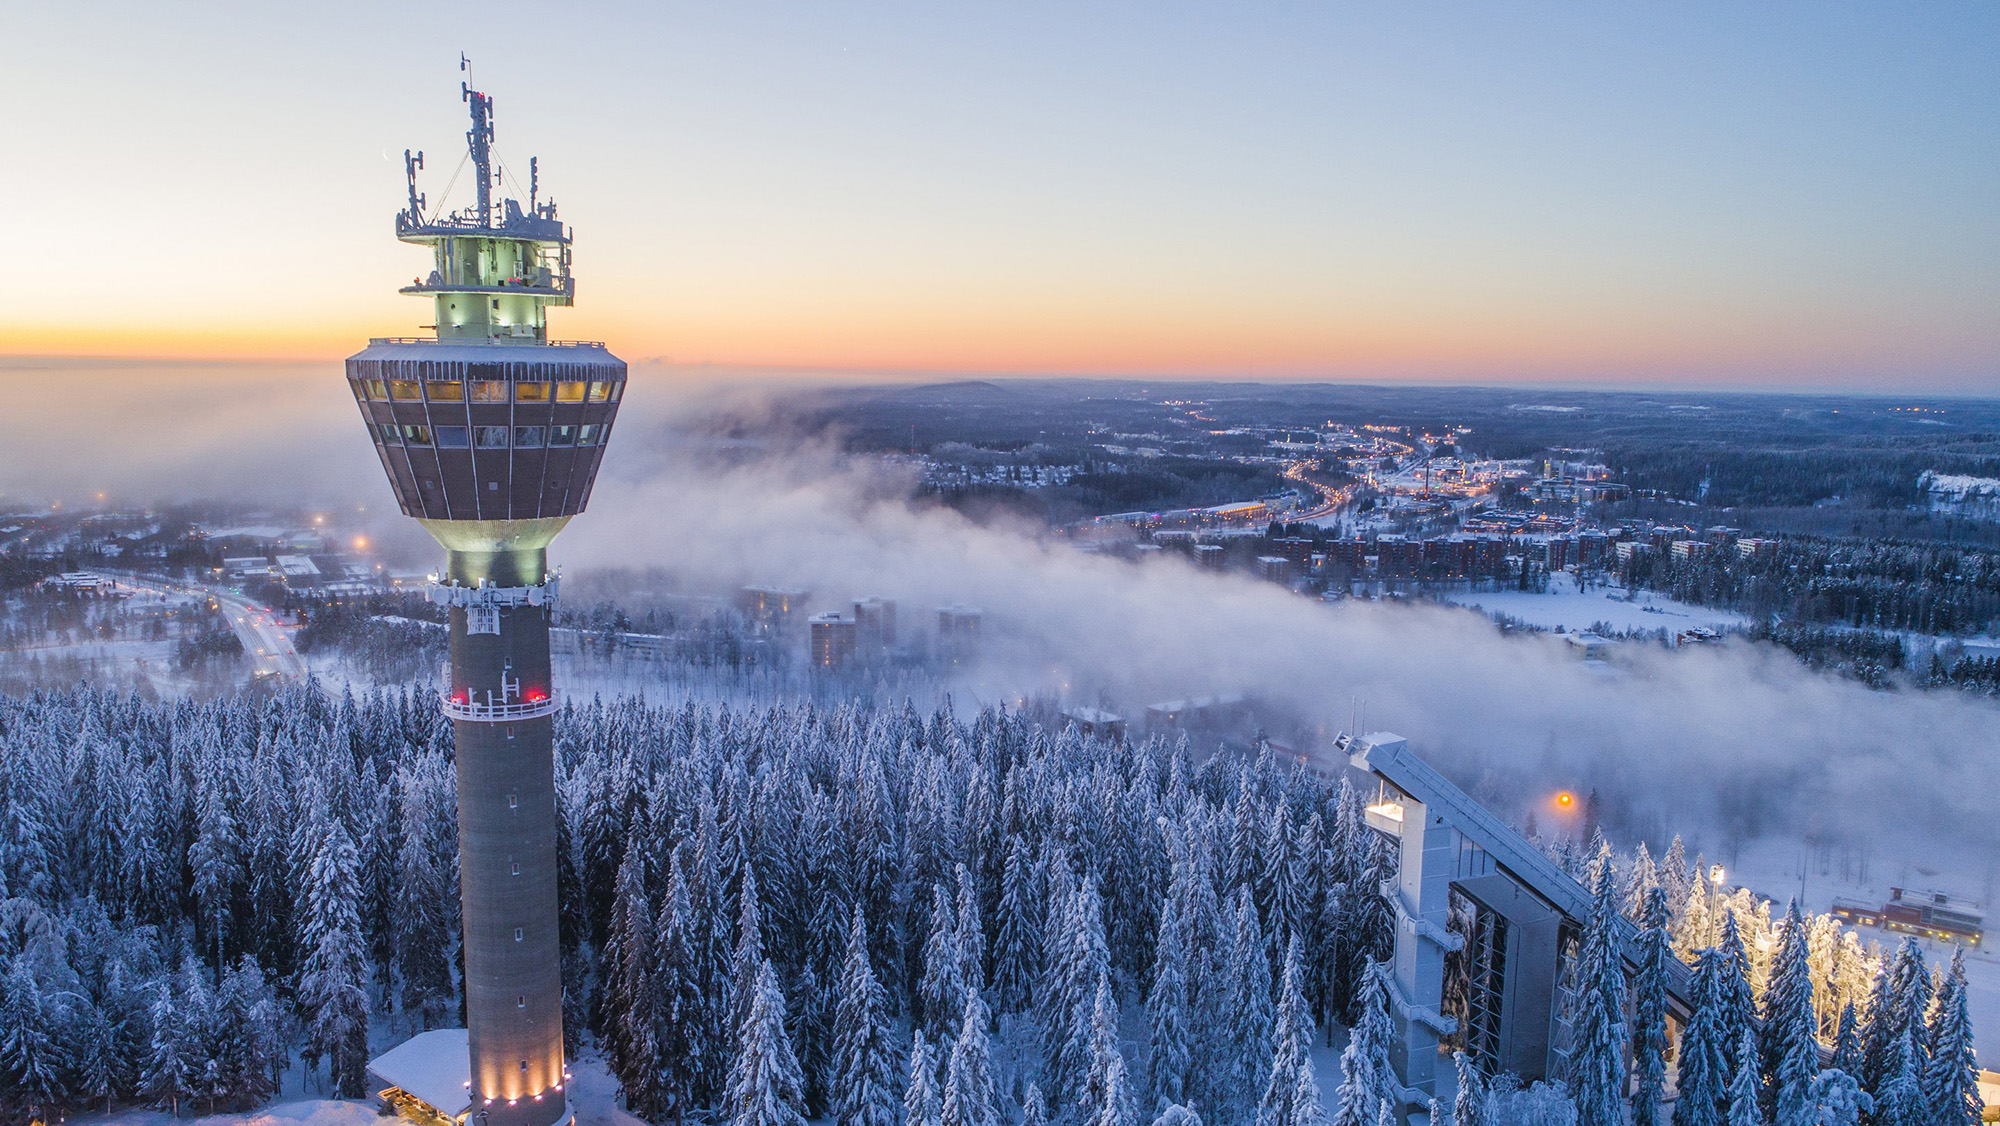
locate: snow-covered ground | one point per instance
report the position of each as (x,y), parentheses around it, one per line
(301,1112)
(1573,609)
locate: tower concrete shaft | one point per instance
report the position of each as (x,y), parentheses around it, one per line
(502,707)
(490,435)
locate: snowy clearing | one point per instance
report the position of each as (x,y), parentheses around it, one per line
(1573,609)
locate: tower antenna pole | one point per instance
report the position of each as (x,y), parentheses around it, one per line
(412,164)
(479,139)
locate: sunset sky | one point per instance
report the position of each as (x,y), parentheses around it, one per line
(1706,193)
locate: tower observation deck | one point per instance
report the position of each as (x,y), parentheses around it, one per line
(491,434)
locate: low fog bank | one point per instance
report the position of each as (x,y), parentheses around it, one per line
(156,432)
(1728,742)
(1732,741)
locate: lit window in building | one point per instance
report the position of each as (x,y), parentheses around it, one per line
(600,391)
(528,437)
(587,436)
(378,390)
(445,391)
(416,435)
(531,392)
(489,391)
(570,391)
(360,388)
(452,437)
(490,437)
(562,435)
(405,391)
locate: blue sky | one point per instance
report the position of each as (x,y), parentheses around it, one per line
(1778,194)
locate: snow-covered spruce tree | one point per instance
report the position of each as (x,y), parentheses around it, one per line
(251,1054)
(1638,881)
(1847,1043)
(631,993)
(748,956)
(971,1097)
(1277,892)
(1468,1107)
(765,1087)
(1368,926)
(810,1023)
(216,861)
(1789,1052)
(1597,1060)
(940,989)
(920,1094)
(1837,1099)
(1951,1075)
(1743,1090)
(1694,930)
(1034,1108)
(1074,965)
(34,1069)
(1704,1070)
(168,1077)
(1018,948)
(1347,834)
(1177,1114)
(1101,1039)
(678,1006)
(1291,1094)
(425,933)
(969,934)
(1736,1006)
(709,938)
(1251,1016)
(1355,1102)
(1899,1099)
(332,986)
(1107,1093)
(199,1029)
(1649,1010)
(864,1083)
(1895,1008)
(1366,1079)
(1168,1057)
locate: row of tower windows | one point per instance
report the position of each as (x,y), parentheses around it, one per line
(486,391)
(492,437)
(537,371)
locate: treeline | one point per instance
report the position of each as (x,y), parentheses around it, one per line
(1925,588)
(1873,658)
(398,638)
(191,888)
(1151,484)
(887,917)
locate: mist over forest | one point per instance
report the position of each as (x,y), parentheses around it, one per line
(713,488)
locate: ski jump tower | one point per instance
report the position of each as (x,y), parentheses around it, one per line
(491,435)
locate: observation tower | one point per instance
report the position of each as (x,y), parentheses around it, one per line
(491,434)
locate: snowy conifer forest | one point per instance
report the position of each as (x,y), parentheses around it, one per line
(865,915)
